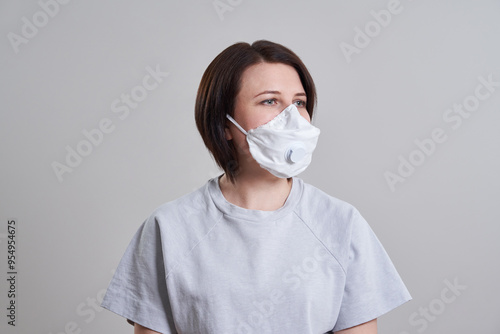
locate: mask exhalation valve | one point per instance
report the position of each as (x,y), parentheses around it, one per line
(295,153)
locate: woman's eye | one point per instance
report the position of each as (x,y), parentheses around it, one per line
(300,103)
(269,102)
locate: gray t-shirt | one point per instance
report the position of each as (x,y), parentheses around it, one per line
(200,264)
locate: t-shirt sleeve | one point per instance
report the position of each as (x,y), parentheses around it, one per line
(373,286)
(138,290)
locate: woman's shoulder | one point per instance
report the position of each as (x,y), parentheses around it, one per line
(192,211)
(333,221)
(183,223)
(188,200)
(317,200)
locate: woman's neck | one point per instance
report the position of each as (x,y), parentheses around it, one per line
(256,193)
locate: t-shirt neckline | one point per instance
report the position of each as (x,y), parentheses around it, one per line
(257,216)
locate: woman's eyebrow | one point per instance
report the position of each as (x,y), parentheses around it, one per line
(278,93)
(268,92)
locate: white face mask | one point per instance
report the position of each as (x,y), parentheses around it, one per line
(284,145)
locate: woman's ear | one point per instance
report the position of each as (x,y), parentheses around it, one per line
(227,132)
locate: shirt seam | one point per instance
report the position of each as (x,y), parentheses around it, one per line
(271,217)
(192,248)
(321,242)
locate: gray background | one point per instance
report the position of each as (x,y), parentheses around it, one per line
(439,225)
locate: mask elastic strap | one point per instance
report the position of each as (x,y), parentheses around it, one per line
(237,125)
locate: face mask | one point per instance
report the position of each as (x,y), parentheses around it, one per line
(284,145)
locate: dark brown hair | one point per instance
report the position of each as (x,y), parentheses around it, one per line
(220,85)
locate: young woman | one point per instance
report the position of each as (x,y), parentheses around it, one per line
(256,250)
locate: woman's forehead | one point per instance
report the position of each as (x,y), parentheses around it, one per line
(270,77)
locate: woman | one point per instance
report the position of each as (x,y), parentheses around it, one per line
(256,250)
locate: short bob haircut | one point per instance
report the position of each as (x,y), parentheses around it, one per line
(220,85)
